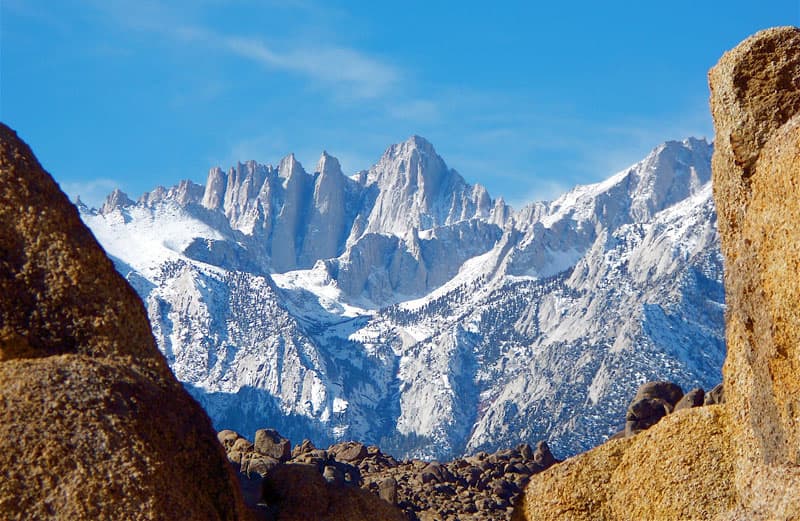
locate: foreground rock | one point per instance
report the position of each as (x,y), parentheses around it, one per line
(363,481)
(93,425)
(739,459)
(756,107)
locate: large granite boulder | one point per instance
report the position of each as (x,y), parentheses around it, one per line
(738,459)
(93,425)
(756,107)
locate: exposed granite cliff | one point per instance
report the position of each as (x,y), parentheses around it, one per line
(93,425)
(740,459)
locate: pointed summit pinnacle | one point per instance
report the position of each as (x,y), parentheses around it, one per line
(288,166)
(418,143)
(413,146)
(328,164)
(116,199)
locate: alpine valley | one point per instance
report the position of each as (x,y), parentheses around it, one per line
(404,307)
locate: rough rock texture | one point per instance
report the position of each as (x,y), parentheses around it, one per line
(671,471)
(93,425)
(715,396)
(739,459)
(653,401)
(755,103)
(61,293)
(270,443)
(304,494)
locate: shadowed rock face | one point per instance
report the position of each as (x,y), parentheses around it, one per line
(739,459)
(93,425)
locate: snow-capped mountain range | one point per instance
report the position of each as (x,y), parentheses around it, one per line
(405,307)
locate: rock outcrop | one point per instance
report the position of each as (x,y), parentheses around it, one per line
(738,459)
(93,425)
(756,107)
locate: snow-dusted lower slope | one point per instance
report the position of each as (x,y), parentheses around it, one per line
(404,307)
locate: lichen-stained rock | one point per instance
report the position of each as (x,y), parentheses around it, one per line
(739,459)
(93,425)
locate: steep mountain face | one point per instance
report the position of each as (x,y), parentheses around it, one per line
(403,306)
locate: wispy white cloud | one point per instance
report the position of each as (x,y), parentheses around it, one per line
(347,72)
(514,138)
(361,76)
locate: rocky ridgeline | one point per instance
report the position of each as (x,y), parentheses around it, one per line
(482,486)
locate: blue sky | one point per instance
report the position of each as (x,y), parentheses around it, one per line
(527,98)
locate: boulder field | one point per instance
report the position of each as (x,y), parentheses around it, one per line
(363,482)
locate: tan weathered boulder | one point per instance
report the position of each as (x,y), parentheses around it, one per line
(739,459)
(670,471)
(270,443)
(349,451)
(93,425)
